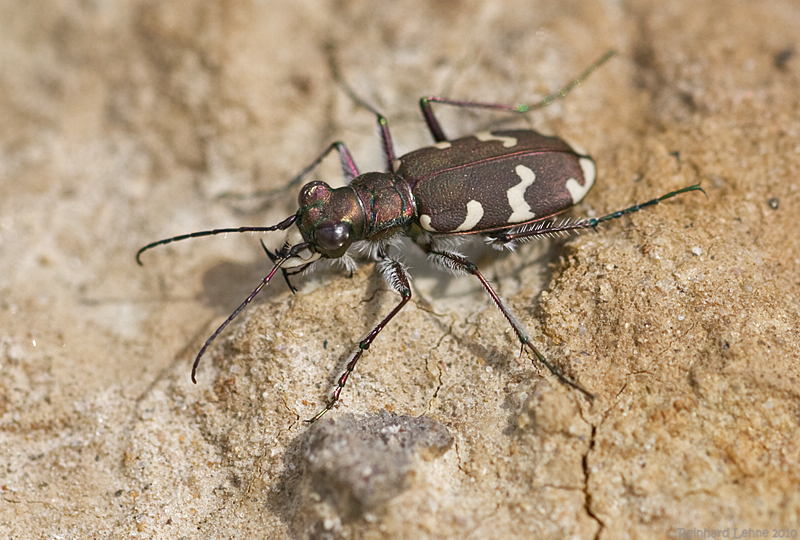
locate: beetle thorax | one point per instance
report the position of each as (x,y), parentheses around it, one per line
(388,204)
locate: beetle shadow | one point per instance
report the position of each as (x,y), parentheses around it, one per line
(226,284)
(378,299)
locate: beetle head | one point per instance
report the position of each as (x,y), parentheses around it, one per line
(328,220)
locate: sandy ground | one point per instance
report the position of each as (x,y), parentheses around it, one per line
(122,122)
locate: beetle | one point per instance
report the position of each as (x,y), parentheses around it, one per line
(504,185)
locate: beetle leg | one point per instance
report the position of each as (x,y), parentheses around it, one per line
(436,129)
(383,124)
(349,169)
(459,263)
(396,276)
(552,228)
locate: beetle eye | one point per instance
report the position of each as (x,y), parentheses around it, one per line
(333,238)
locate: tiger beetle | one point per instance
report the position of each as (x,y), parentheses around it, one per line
(503,185)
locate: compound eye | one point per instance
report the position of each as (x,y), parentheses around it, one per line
(333,239)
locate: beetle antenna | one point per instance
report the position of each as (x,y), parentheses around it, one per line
(279,261)
(283,225)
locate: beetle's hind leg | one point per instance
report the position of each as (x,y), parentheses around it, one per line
(396,275)
(460,264)
(438,133)
(552,228)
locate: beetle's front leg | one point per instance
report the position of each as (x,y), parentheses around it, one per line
(396,275)
(349,169)
(460,264)
(348,165)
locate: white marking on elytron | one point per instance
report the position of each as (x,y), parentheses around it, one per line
(474,215)
(521,210)
(577,191)
(443,145)
(425,221)
(485,136)
(396,164)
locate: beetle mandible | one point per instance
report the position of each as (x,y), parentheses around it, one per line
(503,185)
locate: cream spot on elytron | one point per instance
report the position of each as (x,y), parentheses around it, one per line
(425,221)
(474,215)
(485,136)
(520,209)
(577,191)
(443,145)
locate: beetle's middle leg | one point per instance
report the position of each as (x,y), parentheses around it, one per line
(396,275)
(459,263)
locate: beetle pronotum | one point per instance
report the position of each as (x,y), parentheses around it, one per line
(503,185)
